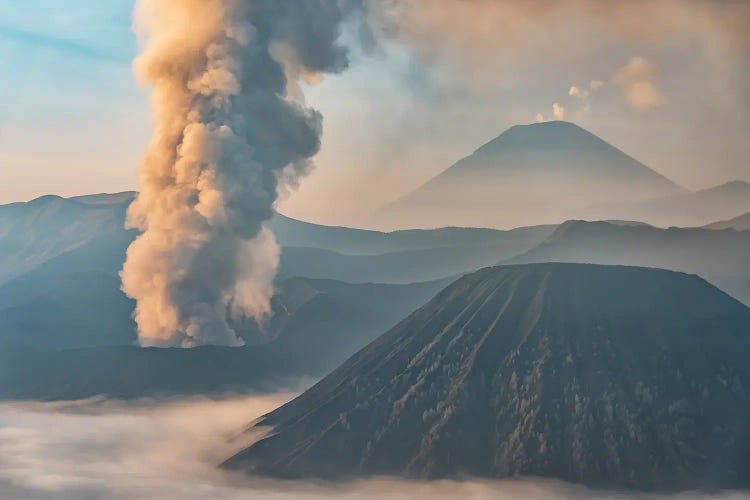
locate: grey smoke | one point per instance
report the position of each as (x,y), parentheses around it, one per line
(230,132)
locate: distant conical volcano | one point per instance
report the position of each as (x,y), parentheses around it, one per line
(609,376)
(531,174)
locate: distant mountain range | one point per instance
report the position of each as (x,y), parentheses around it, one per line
(739,223)
(348,241)
(66,329)
(721,257)
(401,267)
(685,210)
(89,230)
(607,376)
(60,298)
(531,174)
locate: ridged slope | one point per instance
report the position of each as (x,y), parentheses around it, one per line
(602,375)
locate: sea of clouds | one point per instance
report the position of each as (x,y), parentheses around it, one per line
(150,449)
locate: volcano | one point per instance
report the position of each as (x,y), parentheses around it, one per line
(531,174)
(604,375)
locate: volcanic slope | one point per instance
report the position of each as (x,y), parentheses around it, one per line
(603,375)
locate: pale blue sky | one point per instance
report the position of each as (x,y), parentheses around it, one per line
(73,121)
(71,116)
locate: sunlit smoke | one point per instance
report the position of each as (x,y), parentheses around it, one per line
(558,111)
(230,131)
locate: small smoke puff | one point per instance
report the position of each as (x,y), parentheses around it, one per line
(596,85)
(636,80)
(558,111)
(578,92)
(540,118)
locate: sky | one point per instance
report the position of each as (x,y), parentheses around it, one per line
(665,81)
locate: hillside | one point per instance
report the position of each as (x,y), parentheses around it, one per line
(607,376)
(34,232)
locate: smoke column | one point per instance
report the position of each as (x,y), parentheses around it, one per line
(226,137)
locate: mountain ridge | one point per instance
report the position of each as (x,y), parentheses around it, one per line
(739,223)
(721,257)
(689,209)
(28,241)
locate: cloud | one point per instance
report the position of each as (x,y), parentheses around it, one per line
(96,448)
(169,450)
(636,80)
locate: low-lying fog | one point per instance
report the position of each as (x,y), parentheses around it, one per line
(169,450)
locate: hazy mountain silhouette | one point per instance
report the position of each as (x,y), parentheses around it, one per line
(739,223)
(349,241)
(87,233)
(401,267)
(531,174)
(685,210)
(721,257)
(609,376)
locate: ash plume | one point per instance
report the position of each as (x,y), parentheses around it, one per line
(227,136)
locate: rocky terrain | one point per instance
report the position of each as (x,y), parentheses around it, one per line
(603,375)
